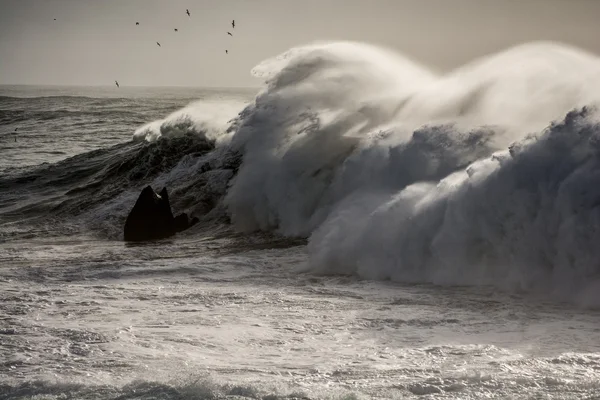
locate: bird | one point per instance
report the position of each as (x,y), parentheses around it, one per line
(176,30)
(117,83)
(137,23)
(226,52)
(55,19)
(187,12)
(233,24)
(229,33)
(158,44)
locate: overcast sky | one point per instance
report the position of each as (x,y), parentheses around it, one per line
(94,42)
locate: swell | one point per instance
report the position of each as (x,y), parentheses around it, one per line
(21,98)
(93,192)
(14,116)
(97,188)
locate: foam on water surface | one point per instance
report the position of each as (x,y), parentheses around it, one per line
(104,320)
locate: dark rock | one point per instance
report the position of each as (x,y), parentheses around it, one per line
(181,222)
(151,217)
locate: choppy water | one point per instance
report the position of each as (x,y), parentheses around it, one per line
(55,122)
(368,230)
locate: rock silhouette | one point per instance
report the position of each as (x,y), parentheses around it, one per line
(151,218)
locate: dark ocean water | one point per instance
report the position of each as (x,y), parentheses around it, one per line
(56,122)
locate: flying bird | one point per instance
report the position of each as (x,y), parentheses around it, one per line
(117,83)
(233,24)
(176,30)
(187,12)
(137,23)
(55,19)
(226,52)
(158,44)
(229,33)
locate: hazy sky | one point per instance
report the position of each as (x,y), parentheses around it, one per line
(94,42)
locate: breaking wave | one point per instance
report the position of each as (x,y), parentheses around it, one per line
(487,175)
(395,173)
(209,120)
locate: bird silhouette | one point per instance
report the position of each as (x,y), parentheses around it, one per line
(117,83)
(229,33)
(55,19)
(226,52)
(176,30)
(187,12)
(233,24)
(158,44)
(137,23)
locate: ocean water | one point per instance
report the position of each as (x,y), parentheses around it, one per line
(369,228)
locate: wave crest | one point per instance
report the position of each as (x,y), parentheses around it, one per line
(205,119)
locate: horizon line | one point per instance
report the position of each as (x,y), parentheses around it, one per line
(130,86)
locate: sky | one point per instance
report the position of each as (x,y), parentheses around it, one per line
(95,42)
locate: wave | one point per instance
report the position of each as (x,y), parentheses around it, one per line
(15,116)
(395,173)
(486,175)
(191,387)
(323,106)
(207,119)
(33,98)
(95,190)
(523,219)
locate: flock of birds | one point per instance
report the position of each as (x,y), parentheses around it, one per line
(187,11)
